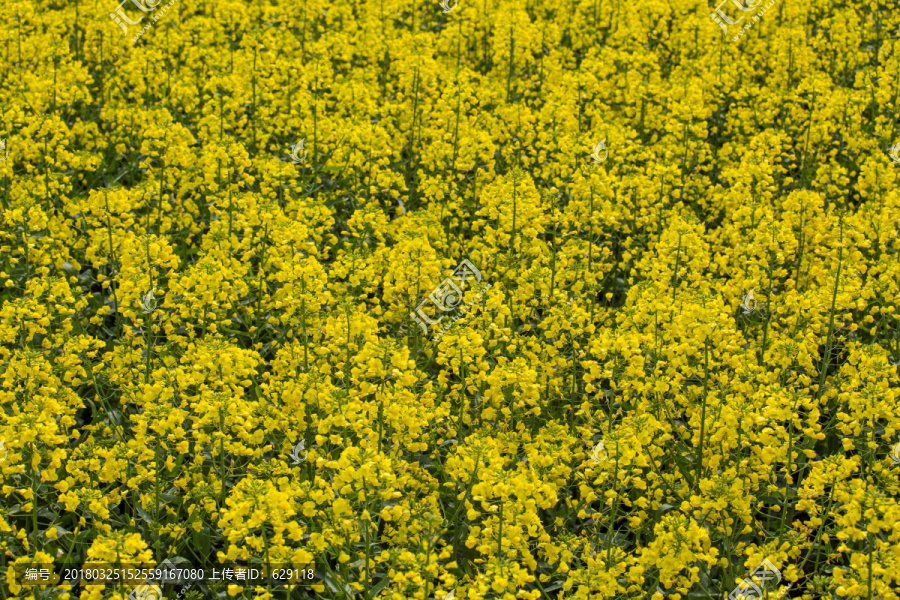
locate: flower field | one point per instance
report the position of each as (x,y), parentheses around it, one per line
(548,299)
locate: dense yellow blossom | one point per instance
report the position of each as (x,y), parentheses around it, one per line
(232,329)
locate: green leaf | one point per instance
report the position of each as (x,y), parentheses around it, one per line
(143,514)
(378,587)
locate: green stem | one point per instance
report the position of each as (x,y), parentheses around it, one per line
(112,259)
(787,473)
(703,411)
(222,460)
(677,266)
(500,533)
(826,360)
(615,508)
(511,65)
